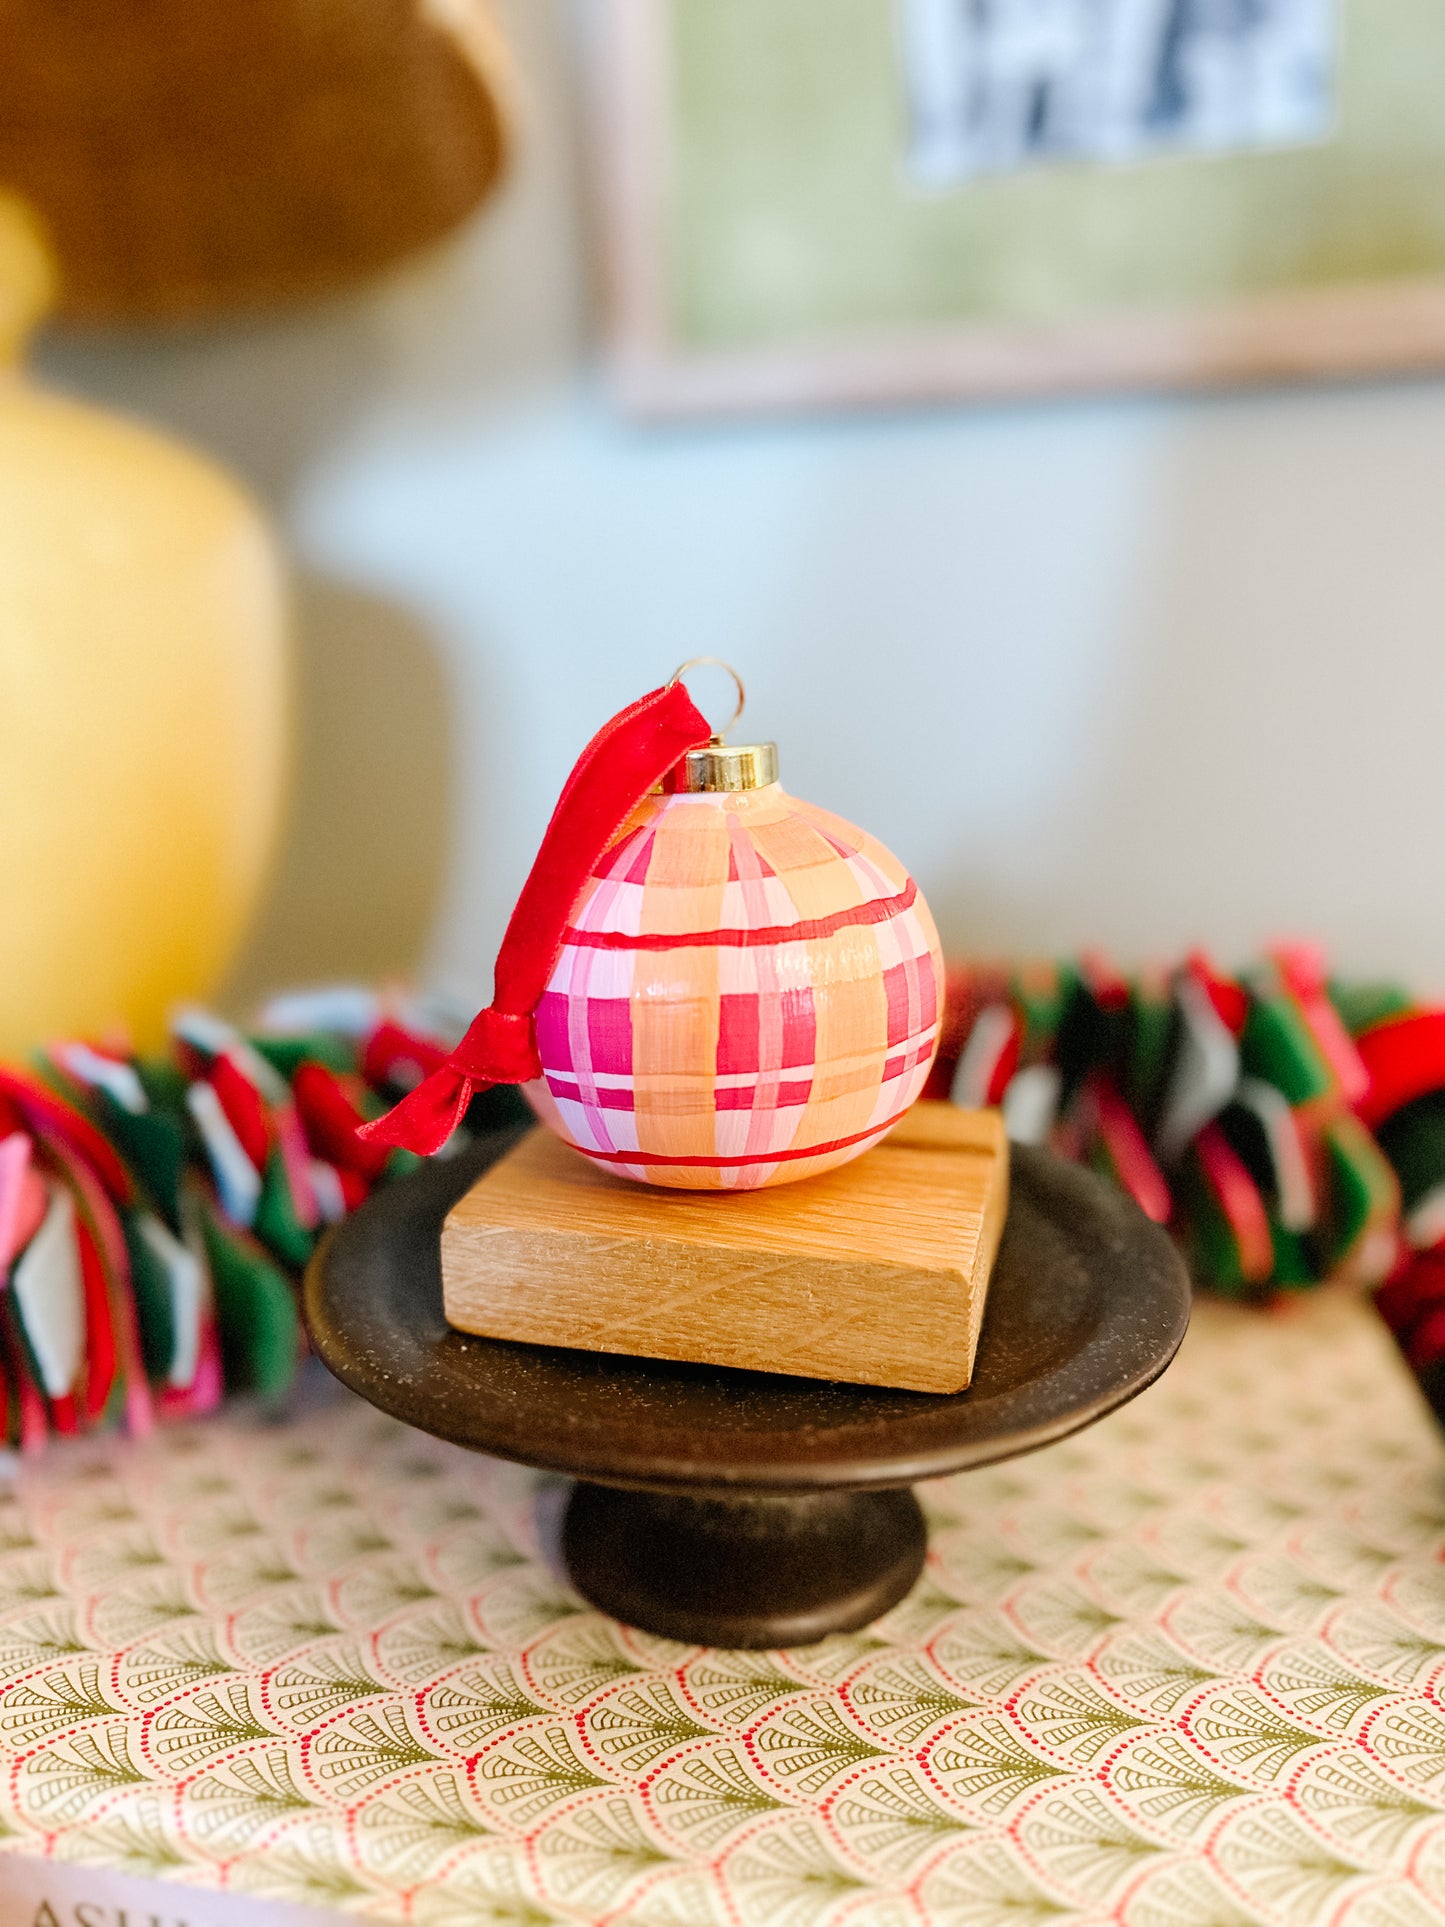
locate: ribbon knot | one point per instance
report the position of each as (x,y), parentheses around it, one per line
(628,757)
(500,1047)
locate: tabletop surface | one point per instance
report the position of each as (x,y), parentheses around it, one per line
(1181,1670)
(1087,1305)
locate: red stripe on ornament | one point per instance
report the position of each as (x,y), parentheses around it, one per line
(911,1058)
(788,1096)
(603,1097)
(718,1162)
(880,910)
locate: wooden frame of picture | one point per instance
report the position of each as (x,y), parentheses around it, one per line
(1324,260)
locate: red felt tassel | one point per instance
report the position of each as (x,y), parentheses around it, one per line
(393,1055)
(331,1122)
(1405,1059)
(44,1113)
(625,759)
(245,1111)
(1128,1150)
(100,1351)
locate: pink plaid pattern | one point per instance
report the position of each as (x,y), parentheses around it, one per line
(748,993)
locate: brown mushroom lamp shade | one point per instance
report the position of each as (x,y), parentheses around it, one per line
(190,157)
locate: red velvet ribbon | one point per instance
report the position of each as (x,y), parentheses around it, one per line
(625,759)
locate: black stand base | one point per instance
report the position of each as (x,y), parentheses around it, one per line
(743,1570)
(1087,1305)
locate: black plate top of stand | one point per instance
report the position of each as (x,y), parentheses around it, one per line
(1088,1304)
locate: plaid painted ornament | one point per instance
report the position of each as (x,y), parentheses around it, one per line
(748,992)
(737,988)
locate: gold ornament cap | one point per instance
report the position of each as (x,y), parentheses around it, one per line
(729,766)
(721,765)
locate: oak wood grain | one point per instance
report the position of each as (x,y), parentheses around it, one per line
(874,1274)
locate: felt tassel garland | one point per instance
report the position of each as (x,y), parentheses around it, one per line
(156,1213)
(1287,1126)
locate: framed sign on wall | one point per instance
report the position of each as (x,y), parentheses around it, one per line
(813,202)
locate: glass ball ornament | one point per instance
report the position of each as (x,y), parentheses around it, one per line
(748,990)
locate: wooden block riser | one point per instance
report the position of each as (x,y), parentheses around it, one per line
(874,1274)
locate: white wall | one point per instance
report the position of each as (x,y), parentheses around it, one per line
(1136,673)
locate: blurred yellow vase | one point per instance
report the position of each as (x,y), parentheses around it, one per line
(142,705)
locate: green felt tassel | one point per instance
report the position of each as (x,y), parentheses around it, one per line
(1363,1198)
(155,1312)
(1362,1006)
(1277,1047)
(1146,1059)
(286,1055)
(1414,1142)
(164,1084)
(1296,1268)
(277,1225)
(256,1313)
(1041,994)
(153,1144)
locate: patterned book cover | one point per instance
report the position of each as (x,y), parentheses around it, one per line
(1182,1670)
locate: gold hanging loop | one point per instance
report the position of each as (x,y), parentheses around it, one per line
(714,662)
(721,765)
